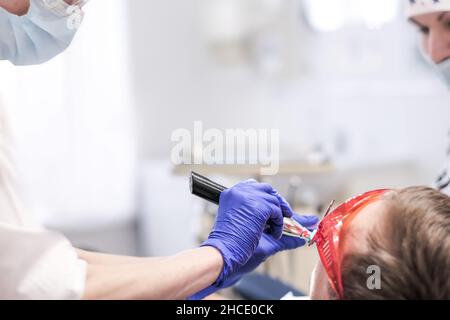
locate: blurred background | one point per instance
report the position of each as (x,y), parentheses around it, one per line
(343,80)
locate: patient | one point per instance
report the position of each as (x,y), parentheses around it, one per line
(405,233)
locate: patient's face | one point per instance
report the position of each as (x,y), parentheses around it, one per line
(353,241)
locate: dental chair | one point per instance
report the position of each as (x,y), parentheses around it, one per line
(257,286)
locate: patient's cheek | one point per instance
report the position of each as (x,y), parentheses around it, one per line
(319,284)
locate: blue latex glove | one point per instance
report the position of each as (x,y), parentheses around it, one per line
(245,211)
(267,246)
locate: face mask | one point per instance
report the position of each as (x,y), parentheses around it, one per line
(45,31)
(443,69)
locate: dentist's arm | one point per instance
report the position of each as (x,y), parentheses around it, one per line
(174,277)
(244,212)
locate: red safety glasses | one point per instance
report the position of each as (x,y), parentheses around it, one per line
(329,233)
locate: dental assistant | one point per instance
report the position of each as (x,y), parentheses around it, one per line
(432,18)
(36,263)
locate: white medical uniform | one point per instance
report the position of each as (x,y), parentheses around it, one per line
(34,263)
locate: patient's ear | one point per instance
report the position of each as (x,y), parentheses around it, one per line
(17,7)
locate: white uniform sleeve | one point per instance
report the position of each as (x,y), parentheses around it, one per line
(38,264)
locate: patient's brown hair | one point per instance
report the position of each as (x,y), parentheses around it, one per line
(411,247)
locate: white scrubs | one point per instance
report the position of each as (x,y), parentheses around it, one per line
(34,263)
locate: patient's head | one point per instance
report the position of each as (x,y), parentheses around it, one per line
(406,234)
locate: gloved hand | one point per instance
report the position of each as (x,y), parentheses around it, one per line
(267,246)
(244,212)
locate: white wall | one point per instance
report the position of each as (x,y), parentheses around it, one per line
(368,87)
(73,126)
(363,95)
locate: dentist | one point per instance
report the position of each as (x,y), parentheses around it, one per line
(36,263)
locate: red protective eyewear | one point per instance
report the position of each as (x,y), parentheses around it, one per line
(329,232)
